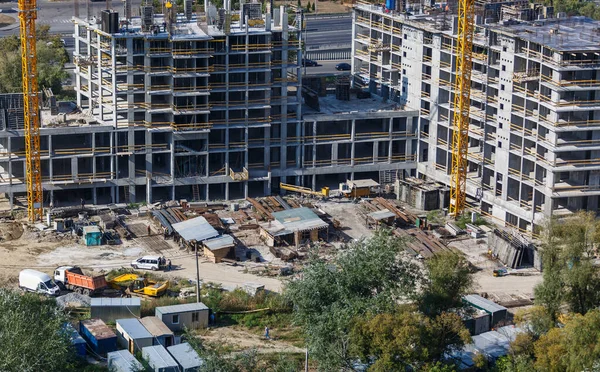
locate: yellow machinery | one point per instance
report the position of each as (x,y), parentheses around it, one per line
(27,17)
(462,104)
(304,190)
(138,285)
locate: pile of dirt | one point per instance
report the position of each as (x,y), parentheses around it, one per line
(73,299)
(10,230)
(32,233)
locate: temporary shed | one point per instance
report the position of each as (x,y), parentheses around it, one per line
(76,340)
(493,345)
(195,229)
(292,226)
(187,358)
(178,317)
(159,359)
(92,235)
(218,248)
(383,216)
(123,361)
(161,333)
(111,309)
(133,335)
(497,312)
(99,337)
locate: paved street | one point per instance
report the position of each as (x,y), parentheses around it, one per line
(335,29)
(326,68)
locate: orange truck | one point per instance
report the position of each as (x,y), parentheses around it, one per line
(72,278)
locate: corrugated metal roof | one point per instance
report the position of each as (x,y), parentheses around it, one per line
(197,229)
(120,301)
(158,357)
(173,309)
(122,360)
(381,215)
(155,326)
(483,303)
(134,328)
(98,329)
(223,241)
(493,344)
(185,355)
(293,220)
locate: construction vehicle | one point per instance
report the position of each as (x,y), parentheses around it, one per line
(73,279)
(31,107)
(133,284)
(358,188)
(500,272)
(305,190)
(462,106)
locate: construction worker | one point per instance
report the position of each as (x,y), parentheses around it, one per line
(149,230)
(82,203)
(267,332)
(169,265)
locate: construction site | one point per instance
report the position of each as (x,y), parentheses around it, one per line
(532,146)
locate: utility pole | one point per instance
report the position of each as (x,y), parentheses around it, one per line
(197,274)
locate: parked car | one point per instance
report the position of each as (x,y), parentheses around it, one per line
(35,281)
(147,263)
(343,66)
(309,62)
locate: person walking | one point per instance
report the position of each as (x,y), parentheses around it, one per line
(149,230)
(267,333)
(169,265)
(82,203)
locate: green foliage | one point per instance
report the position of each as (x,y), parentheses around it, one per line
(570,277)
(435,217)
(465,218)
(51,58)
(448,281)
(576,7)
(368,277)
(406,339)
(31,334)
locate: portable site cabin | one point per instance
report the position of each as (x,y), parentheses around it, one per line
(133,335)
(497,312)
(123,361)
(98,335)
(92,235)
(187,358)
(111,309)
(159,359)
(292,226)
(161,333)
(218,248)
(178,317)
(77,341)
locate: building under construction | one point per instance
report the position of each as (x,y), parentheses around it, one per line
(534,133)
(203,107)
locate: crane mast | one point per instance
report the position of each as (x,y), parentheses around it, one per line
(462,104)
(27,17)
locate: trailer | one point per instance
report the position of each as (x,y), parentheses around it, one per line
(72,278)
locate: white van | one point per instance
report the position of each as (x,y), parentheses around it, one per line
(147,263)
(35,281)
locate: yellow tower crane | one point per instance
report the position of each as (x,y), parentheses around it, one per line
(27,17)
(462,104)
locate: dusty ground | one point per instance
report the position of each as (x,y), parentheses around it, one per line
(350,215)
(6,20)
(243,340)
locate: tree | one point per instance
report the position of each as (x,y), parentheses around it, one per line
(368,277)
(51,59)
(575,347)
(32,334)
(570,276)
(407,339)
(449,279)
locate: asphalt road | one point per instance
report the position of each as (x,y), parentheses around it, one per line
(320,30)
(326,68)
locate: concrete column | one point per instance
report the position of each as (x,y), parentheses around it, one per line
(149,168)
(114,81)
(334,153)
(172,164)
(99,81)
(74,168)
(50,158)
(390,136)
(352,139)
(314,144)
(375,151)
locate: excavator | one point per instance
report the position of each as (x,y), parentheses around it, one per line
(324,193)
(133,284)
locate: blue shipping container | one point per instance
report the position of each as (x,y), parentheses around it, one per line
(100,338)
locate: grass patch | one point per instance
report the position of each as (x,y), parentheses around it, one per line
(148,306)
(465,218)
